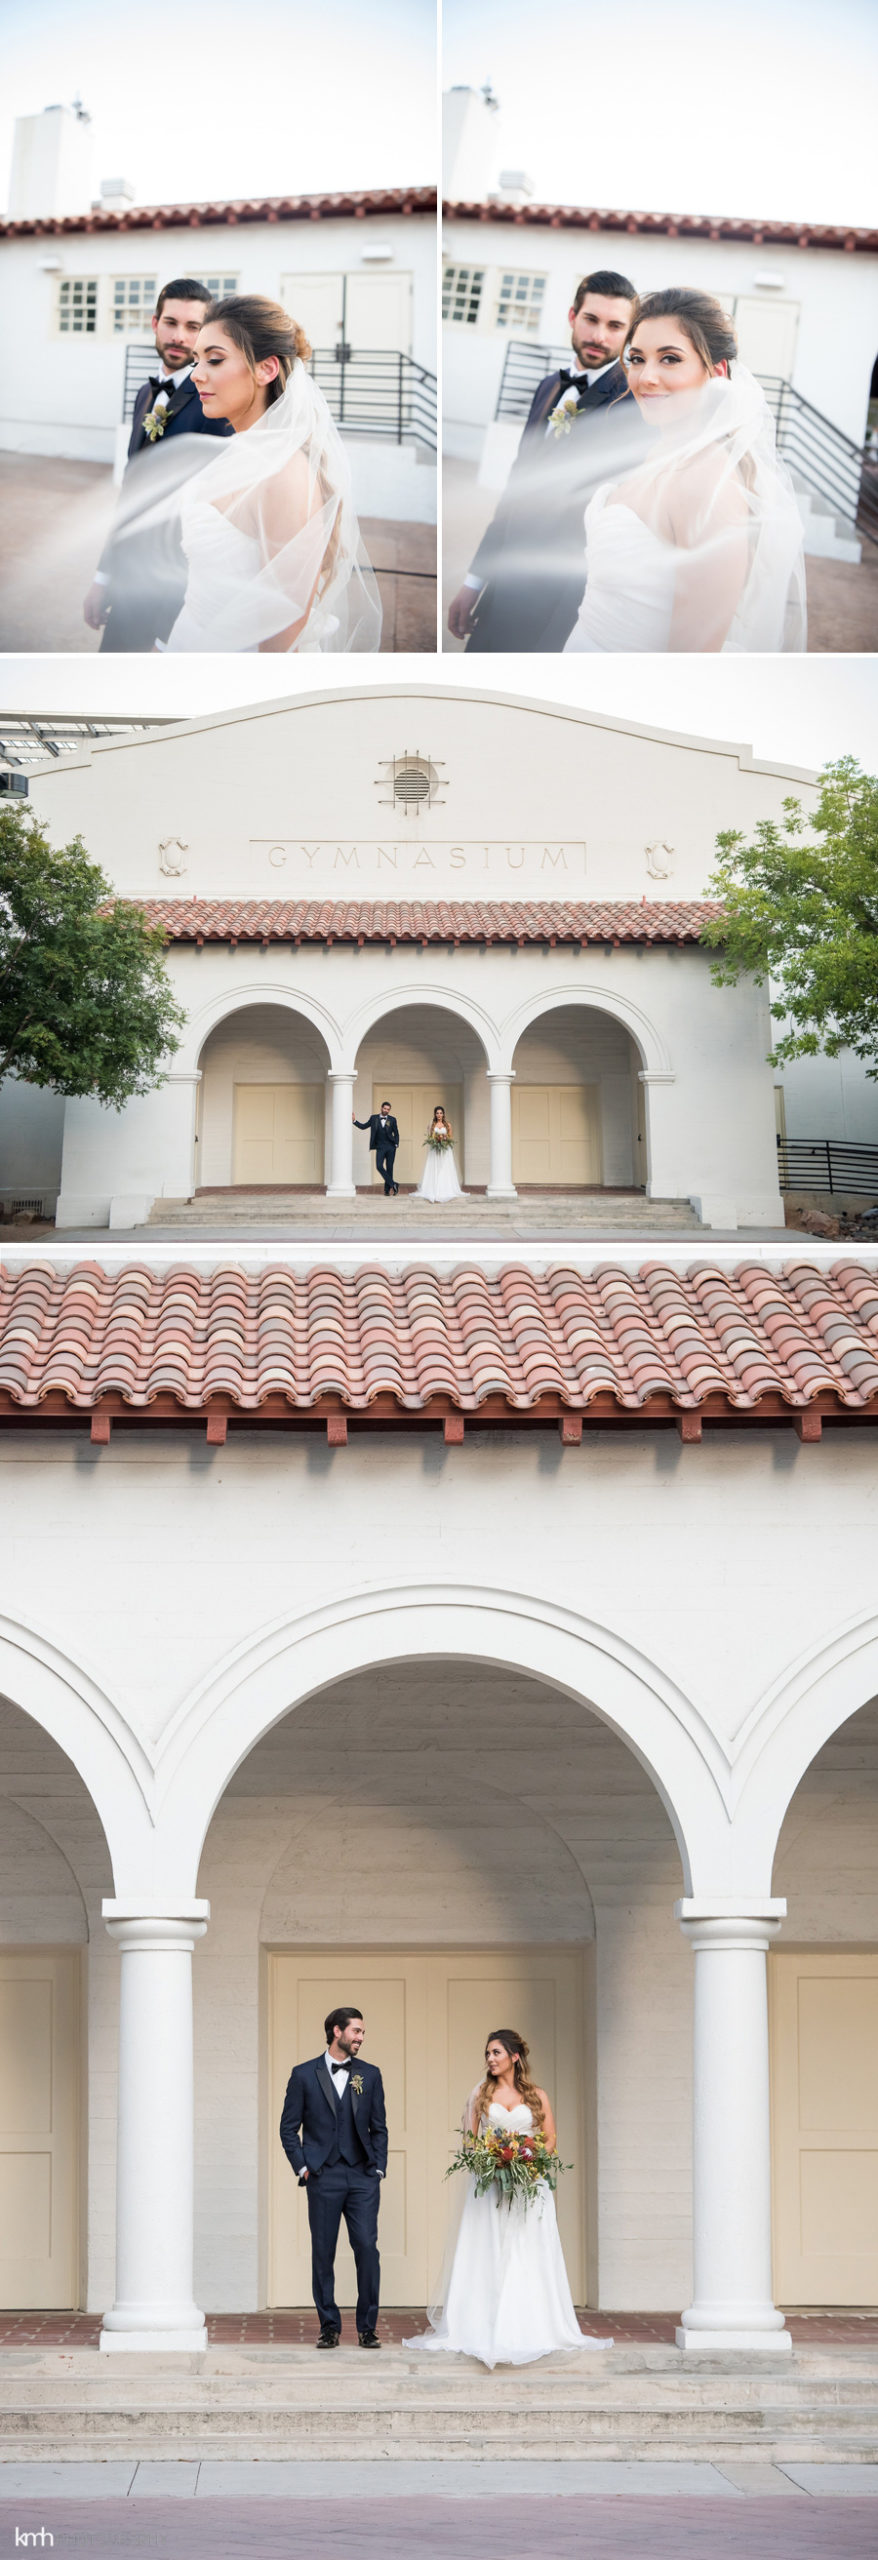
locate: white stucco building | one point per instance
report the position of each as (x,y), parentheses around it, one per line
(358,270)
(430,1635)
(419,891)
(462,1633)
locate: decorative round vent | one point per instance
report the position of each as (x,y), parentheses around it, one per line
(411,782)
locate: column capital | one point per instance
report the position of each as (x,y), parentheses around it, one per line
(656,1075)
(341,1075)
(156,1926)
(500,1075)
(731,1920)
(183,1075)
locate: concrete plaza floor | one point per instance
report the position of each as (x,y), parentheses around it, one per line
(286,2513)
(842,601)
(55,516)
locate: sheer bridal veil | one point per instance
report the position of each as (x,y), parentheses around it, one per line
(719,481)
(284,488)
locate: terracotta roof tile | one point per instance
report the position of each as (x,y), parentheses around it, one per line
(440,920)
(672,226)
(229,209)
(141,1336)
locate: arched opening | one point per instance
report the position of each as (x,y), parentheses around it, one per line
(823,1979)
(57,2014)
(444,1842)
(578,1117)
(263,1103)
(414,1057)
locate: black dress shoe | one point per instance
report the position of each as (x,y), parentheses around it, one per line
(328,2337)
(369,2338)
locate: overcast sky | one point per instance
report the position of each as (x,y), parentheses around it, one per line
(194,98)
(803,711)
(767,107)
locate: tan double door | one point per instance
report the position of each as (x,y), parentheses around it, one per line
(413,1106)
(427,2017)
(39,2130)
(767,330)
(556,1134)
(824,2090)
(365,312)
(278,1133)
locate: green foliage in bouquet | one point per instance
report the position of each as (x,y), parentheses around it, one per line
(438,1144)
(512,2164)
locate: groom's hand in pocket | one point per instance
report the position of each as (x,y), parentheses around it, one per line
(97,605)
(461,610)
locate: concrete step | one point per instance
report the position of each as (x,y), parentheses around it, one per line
(547,1213)
(282,2403)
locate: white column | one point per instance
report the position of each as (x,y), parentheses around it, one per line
(664,1173)
(501,1185)
(341,1185)
(154,2162)
(731,2168)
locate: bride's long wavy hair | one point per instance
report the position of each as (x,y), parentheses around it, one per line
(526,2091)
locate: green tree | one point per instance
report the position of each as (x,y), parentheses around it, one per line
(85,1001)
(800,905)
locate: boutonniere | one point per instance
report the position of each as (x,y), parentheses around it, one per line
(562,418)
(155,422)
(357,2084)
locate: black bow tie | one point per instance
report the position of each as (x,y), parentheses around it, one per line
(339,2066)
(579,379)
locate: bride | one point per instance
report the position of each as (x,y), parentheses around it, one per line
(272,546)
(439,1178)
(699,546)
(506,2296)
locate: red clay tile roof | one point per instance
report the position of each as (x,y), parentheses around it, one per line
(610,1344)
(413,920)
(667,226)
(232,211)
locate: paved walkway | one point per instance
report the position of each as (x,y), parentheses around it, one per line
(54,518)
(297,2328)
(842,601)
(694,2515)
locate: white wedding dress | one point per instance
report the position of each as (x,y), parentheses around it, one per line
(439,1178)
(718,475)
(507,2298)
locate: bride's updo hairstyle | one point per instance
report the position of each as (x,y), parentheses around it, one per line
(526,2092)
(702,320)
(259,329)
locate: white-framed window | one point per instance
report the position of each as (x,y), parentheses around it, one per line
(462,290)
(134,300)
(219,286)
(520,300)
(78,306)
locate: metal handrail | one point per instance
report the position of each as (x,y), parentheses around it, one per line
(828,1164)
(369,391)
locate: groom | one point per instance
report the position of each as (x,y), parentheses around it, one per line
(139,584)
(383,1143)
(527,579)
(334,2132)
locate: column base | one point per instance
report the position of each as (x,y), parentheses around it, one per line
(725,2342)
(180,2342)
(340,1191)
(501,1191)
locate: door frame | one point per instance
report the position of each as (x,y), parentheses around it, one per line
(76,1956)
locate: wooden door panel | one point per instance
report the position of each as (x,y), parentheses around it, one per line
(39,2130)
(824,2092)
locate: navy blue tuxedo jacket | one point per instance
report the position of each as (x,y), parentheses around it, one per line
(532,554)
(307,2125)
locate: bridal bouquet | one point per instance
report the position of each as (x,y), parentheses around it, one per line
(514,2164)
(438,1139)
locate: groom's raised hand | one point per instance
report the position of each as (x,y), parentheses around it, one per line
(97,605)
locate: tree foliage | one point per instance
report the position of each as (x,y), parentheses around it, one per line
(800,905)
(85,1001)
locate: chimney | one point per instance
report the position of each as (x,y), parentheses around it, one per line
(51,164)
(471,144)
(116,195)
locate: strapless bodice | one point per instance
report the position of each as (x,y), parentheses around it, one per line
(516,2119)
(629,592)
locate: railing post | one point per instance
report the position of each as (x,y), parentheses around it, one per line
(829,1163)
